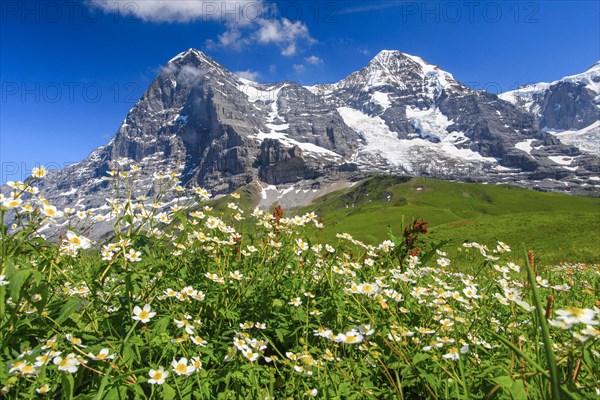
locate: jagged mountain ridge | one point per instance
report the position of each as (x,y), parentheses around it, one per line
(568,108)
(397,115)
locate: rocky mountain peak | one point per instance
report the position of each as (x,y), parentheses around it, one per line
(571,103)
(397,115)
(396,63)
(190,55)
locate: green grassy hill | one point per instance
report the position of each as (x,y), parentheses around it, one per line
(557,226)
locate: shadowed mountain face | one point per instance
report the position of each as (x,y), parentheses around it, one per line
(568,108)
(398,115)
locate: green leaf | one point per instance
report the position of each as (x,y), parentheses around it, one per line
(168,391)
(68,385)
(43,291)
(128,354)
(517,390)
(161,325)
(504,381)
(17,281)
(72,305)
(420,357)
(9,265)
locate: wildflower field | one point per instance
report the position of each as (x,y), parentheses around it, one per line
(188,301)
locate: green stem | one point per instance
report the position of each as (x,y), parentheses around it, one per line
(177,388)
(548,345)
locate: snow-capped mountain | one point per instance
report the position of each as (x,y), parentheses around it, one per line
(568,108)
(397,115)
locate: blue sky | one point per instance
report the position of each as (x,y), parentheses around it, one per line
(71,70)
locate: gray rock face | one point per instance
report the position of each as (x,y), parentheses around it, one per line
(569,109)
(417,100)
(399,115)
(568,106)
(279,164)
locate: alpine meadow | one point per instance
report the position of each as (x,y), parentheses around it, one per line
(288,200)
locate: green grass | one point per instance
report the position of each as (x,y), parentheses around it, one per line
(190,305)
(559,227)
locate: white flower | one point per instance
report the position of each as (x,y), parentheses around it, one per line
(43,389)
(51,211)
(573,315)
(199,341)
(39,172)
(236,275)
(11,202)
(471,292)
(591,331)
(350,337)
(181,367)
(3,281)
(542,282)
(102,355)
(443,262)
(68,364)
(525,305)
(446,323)
(452,354)
(296,301)
(76,341)
(143,314)
(561,288)
(368,288)
(157,376)
(366,330)
(133,256)
(559,324)
(196,363)
(77,242)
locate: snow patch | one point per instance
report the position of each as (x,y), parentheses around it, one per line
(70,192)
(305,147)
(259,92)
(586,139)
(402,153)
(525,146)
(381,99)
(562,160)
(430,122)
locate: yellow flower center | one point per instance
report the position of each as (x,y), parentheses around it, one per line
(181,368)
(144,314)
(27,368)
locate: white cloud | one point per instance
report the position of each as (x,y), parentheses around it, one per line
(314,60)
(299,68)
(240,11)
(190,75)
(232,38)
(272,68)
(250,75)
(247,22)
(284,33)
(186,75)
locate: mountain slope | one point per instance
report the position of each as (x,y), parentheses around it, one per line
(201,121)
(465,212)
(397,115)
(568,108)
(417,119)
